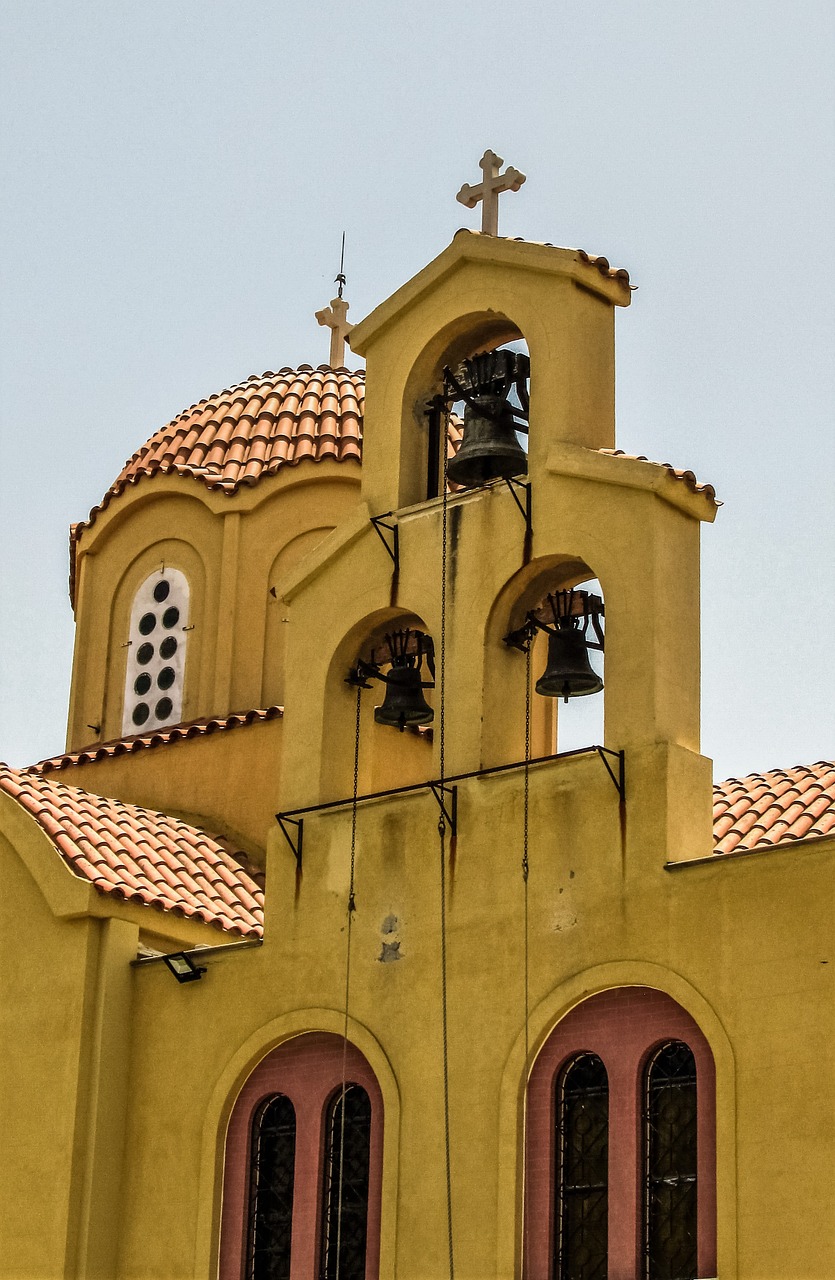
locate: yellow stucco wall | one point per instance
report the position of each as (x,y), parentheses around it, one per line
(235,550)
(207,781)
(743,944)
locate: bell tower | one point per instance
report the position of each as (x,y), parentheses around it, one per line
(594,516)
(432,642)
(481,292)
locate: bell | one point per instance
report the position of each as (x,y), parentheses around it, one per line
(404,702)
(489,448)
(568,674)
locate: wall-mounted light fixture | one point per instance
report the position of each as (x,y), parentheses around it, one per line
(183,967)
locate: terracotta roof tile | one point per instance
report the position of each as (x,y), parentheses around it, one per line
(274,420)
(212,441)
(687,477)
(152,858)
(766,809)
(594,260)
(140,855)
(139,742)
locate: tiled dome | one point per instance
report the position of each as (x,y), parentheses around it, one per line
(254,428)
(249,431)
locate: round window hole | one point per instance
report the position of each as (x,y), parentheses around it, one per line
(141,712)
(163,708)
(145,653)
(142,684)
(171,617)
(147,623)
(168,648)
(161,591)
(166,678)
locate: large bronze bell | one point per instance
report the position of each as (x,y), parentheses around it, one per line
(404,702)
(568,673)
(490,449)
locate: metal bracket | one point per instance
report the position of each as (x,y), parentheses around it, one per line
(618,778)
(382,526)
(440,791)
(293,838)
(522,637)
(513,484)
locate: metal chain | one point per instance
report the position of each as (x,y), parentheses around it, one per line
(525,871)
(352,906)
(525,826)
(442,836)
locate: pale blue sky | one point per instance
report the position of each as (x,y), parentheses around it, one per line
(177,177)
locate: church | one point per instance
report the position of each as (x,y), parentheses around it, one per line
(323,957)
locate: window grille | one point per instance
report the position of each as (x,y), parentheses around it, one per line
(271,1180)
(156,653)
(347,1167)
(581,1217)
(670,1201)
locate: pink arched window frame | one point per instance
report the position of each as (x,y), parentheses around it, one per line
(307,1070)
(623,1027)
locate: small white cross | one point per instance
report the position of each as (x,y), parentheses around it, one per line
(489,189)
(334,317)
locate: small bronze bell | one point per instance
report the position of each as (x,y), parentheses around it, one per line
(489,448)
(568,673)
(404,702)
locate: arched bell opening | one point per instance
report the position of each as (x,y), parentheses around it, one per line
(387,662)
(487,397)
(548,624)
(474,379)
(569,660)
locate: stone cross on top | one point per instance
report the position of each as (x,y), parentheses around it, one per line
(489,190)
(335,317)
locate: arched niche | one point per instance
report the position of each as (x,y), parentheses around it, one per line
(505,667)
(387,757)
(290,555)
(466,336)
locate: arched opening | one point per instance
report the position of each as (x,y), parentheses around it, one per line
(578,719)
(271,1186)
(385,668)
(670,1125)
(659,1136)
(345,1186)
(581,1209)
(450,370)
(278,1178)
(484,403)
(553,611)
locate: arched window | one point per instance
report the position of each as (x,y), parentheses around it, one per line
(156,653)
(670,1164)
(345,1202)
(272,1177)
(581,1212)
(284,1166)
(621,1144)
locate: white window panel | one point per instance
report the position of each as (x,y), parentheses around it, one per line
(156,653)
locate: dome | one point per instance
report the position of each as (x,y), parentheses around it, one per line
(254,428)
(249,431)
